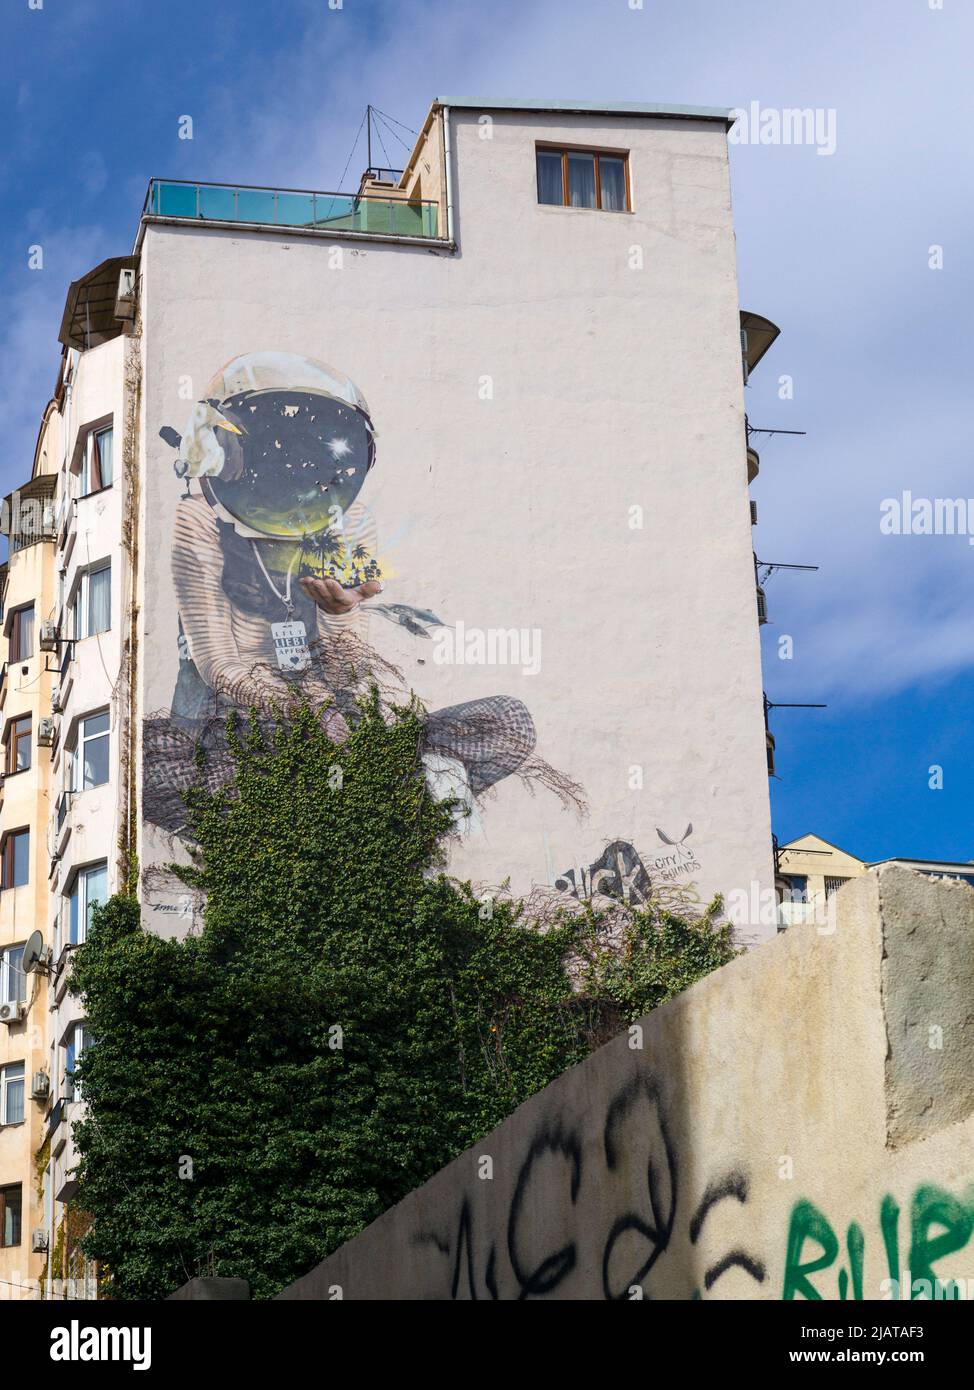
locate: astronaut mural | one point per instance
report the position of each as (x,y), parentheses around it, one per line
(277,580)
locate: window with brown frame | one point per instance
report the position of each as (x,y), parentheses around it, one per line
(15,859)
(21,634)
(10,1209)
(583,179)
(18,745)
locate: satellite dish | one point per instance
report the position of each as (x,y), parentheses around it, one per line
(33,952)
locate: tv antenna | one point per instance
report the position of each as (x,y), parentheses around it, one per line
(770,566)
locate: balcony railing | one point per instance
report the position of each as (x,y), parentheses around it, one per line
(291,207)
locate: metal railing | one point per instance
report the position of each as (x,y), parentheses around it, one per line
(291,207)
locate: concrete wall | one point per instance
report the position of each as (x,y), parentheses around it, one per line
(560,449)
(799,1124)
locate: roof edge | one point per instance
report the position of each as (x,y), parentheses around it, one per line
(726,115)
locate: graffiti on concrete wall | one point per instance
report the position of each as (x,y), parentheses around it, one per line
(632,1243)
(940,1225)
(572,1218)
(278,576)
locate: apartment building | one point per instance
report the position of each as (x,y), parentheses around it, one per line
(63,595)
(809,871)
(475,432)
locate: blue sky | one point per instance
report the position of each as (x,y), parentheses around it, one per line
(834,249)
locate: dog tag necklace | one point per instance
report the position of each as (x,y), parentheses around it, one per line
(290,638)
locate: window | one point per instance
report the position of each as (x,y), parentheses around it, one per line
(583,179)
(798,888)
(21,633)
(90,887)
(91,605)
(12,1094)
(832,885)
(18,745)
(88,759)
(10,1206)
(97,461)
(15,859)
(75,1043)
(13,981)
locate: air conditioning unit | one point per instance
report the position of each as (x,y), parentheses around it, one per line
(38,1241)
(12,1011)
(40,1085)
(46,729)
(754,513)
(762,605)
(56,699)
(48,638)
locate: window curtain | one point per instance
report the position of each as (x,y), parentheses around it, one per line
(549,178)
(581,180)
(96,891)
(23,634)
(99,601)
(15,1094)
(612,176)
(11,1216)
(102,448)
(94,750)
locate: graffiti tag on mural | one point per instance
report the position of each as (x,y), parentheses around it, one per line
(618,873)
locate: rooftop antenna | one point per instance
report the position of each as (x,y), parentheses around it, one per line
(756,429)
(773,704)
(770,566)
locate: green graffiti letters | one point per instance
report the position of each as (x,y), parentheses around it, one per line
(940,1225)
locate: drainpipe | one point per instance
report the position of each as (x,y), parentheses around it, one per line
(449,174)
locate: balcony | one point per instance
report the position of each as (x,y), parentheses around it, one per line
(297,209)
(28,513)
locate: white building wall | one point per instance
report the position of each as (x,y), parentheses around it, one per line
(560,449)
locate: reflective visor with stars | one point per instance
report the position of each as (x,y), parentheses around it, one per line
(298,454)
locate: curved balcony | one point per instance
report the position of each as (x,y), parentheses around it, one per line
(753,464)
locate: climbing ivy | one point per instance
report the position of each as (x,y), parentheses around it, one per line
(347,1020)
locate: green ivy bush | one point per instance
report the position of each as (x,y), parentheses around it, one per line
(346,1022)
